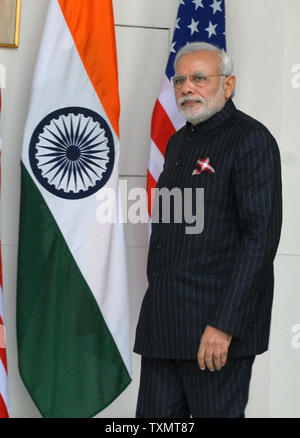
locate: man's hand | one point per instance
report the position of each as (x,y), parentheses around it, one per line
(213,349)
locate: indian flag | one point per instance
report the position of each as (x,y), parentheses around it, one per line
(72,309)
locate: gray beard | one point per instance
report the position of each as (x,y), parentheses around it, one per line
(211,106)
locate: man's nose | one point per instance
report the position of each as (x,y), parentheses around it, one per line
(187,87)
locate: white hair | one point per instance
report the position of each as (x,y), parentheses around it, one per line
(226,64)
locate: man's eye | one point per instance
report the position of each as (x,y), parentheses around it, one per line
(179,81)
(199,78)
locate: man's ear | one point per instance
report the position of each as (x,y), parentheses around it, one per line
(229,86)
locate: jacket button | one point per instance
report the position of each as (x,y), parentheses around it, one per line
(156,274)
(250,324)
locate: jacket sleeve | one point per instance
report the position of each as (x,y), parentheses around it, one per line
(257,187)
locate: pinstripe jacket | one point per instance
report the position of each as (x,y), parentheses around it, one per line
(222,276)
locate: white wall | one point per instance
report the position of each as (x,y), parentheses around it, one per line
(264,40)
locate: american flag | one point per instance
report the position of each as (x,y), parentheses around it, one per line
(197,20)
(3,362)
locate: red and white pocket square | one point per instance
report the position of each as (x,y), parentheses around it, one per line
(203,165)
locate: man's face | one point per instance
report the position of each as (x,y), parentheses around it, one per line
(199,101)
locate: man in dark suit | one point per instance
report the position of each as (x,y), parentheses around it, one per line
(207,311)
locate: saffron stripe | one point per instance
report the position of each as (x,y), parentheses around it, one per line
(92,37)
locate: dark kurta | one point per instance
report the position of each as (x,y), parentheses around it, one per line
(222,276)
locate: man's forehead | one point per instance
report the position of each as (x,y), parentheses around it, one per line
(203,57)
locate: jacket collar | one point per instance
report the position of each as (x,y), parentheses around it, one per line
(216,120)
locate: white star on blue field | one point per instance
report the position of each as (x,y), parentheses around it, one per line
(198,20)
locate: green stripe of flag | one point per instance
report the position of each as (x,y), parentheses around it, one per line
(67,357)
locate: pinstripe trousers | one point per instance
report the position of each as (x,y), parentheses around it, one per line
(172,388)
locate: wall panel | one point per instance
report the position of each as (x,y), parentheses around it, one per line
(142,55)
